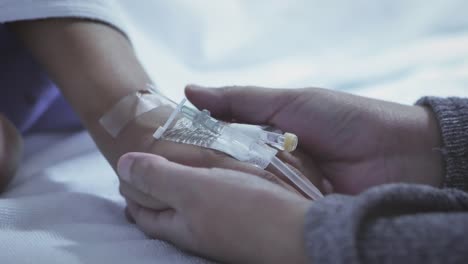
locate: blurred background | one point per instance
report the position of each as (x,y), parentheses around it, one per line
(397,50)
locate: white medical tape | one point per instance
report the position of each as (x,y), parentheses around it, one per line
(127,109)
(160,131)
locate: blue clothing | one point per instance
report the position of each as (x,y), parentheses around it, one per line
(28,97)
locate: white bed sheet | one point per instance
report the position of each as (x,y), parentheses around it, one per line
(64,206)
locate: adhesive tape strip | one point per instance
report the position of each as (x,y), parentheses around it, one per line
(127,109)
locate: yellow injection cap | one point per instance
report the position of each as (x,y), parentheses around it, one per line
(290,142)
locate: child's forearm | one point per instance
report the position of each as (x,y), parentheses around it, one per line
(94,66)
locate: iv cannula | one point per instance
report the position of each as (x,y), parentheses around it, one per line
(306,186)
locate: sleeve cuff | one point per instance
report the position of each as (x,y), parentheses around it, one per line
(104,11)
(452,116)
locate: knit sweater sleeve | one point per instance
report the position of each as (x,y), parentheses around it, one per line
(106,11)
(452,115)
(397,223)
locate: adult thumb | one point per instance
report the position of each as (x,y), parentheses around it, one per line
(244,104)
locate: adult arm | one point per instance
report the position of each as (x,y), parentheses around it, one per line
(395,223)
(452,116)
(387,223)
(401,223)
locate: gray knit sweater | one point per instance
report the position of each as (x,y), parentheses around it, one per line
(401,223)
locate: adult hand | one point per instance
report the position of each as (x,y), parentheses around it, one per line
(221,214)
(355,142)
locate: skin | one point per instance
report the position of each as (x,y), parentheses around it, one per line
(221,214)
(353,142)
(11,146)
(94,66)
(348,143)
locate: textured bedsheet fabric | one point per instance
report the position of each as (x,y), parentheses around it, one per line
(64,205)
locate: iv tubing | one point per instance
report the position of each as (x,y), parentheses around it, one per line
(307,188)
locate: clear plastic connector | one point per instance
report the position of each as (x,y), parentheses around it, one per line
(247,144)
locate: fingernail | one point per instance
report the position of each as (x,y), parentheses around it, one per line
(123,167)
